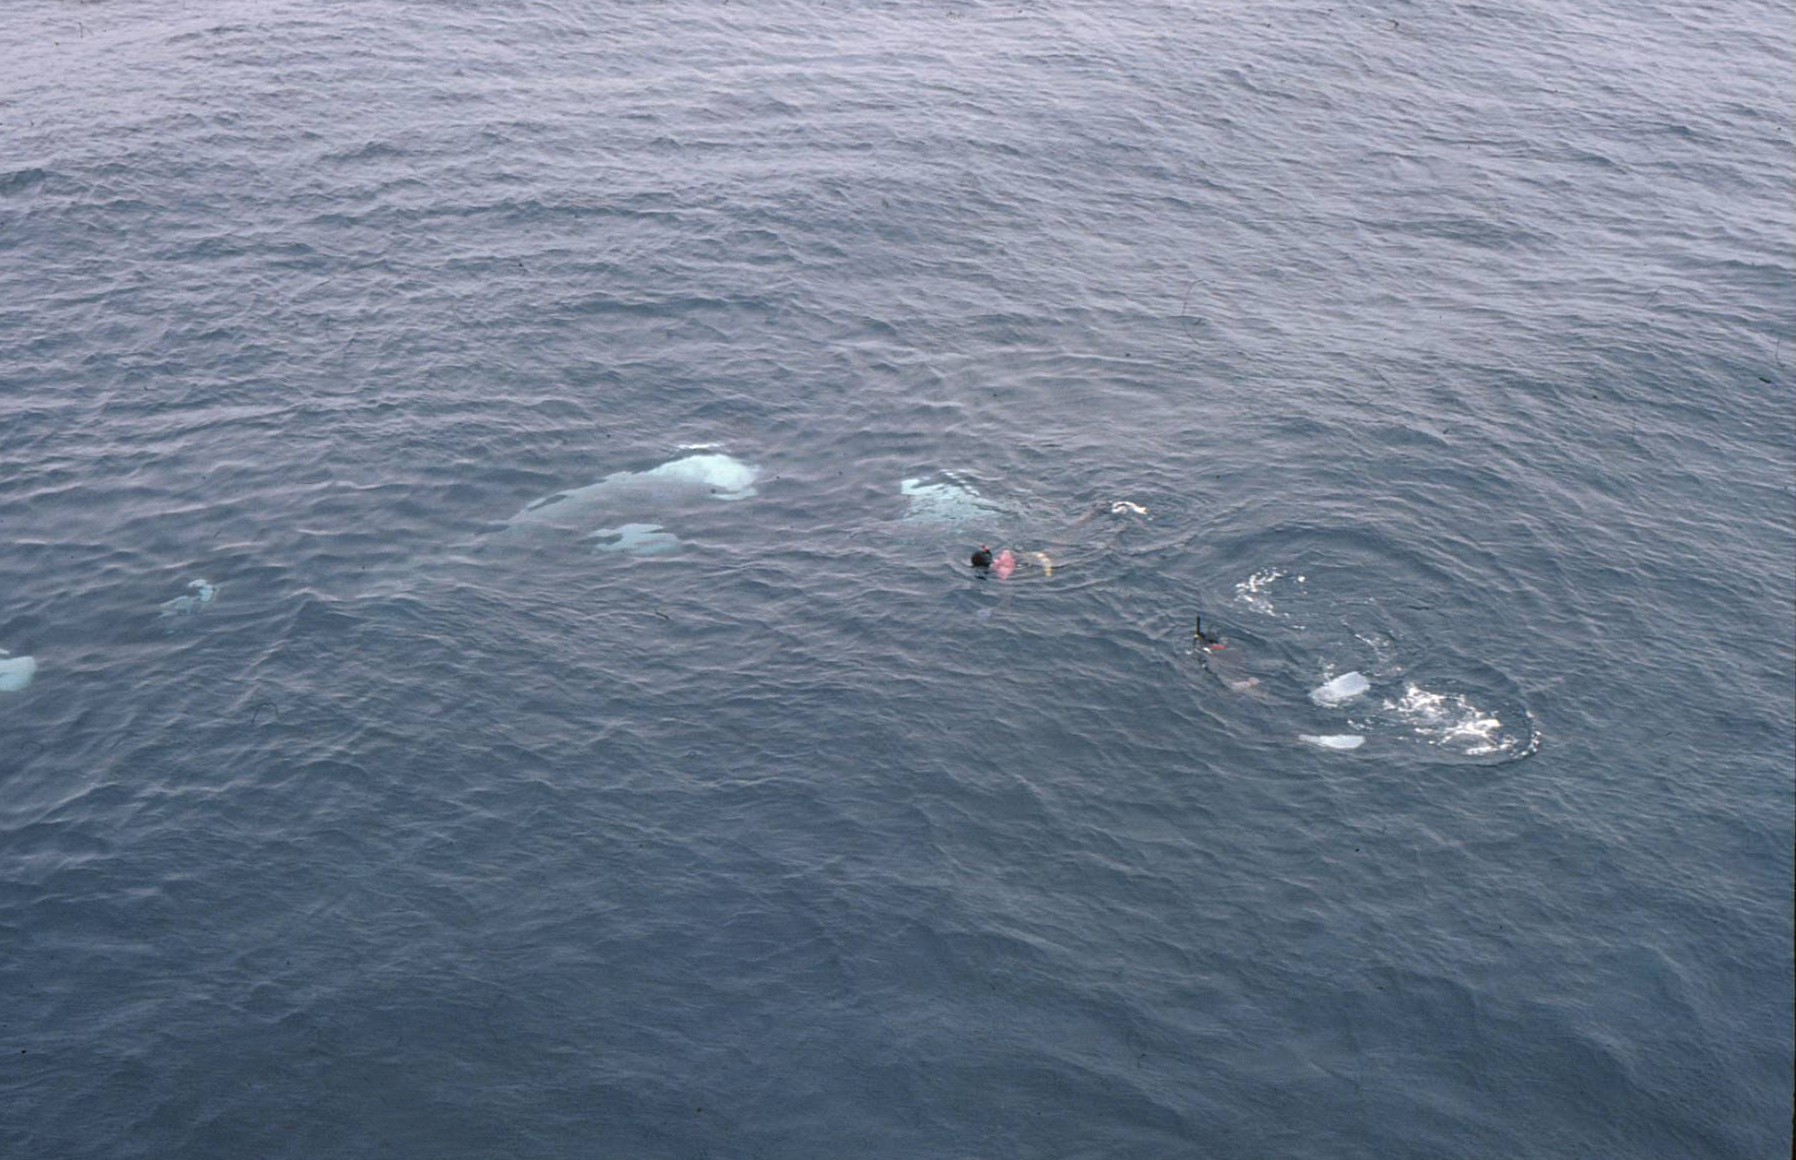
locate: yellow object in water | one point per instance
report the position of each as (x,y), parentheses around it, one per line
(1046,561)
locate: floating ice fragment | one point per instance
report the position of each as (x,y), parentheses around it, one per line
(202,595)
(1341,690)
(15,672)
(1333,740)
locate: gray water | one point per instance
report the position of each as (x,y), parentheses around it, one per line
(1449,345)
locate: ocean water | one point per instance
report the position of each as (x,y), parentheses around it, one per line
(351,806)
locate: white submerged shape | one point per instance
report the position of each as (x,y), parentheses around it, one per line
(15,672)
(1333,740)
(203,594)
(637,540)
(946,501)
(1341,690)
(724,477)
(622,499)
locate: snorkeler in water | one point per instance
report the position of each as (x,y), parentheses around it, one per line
(1230,674)
(983,557)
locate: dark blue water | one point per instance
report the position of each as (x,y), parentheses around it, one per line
(740,817)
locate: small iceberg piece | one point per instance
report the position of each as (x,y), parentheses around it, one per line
(1341,690)
(15,672)
(638,540)
(203,594)
(1333,740)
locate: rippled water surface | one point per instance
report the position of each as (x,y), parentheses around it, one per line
(494,665)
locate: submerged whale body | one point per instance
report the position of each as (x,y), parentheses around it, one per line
(672,483)
(625,510)
(204,592)
(1333,740)
(637,540)
(15,672)
(947,499)
(1341,690)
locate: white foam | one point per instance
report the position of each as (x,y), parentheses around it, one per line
(1256,591)
(1341,690)
(1450,721)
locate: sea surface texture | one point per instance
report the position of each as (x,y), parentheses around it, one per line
(494,667)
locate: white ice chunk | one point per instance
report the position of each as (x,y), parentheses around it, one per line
(1333,740)
(1341,690)
(15,672)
